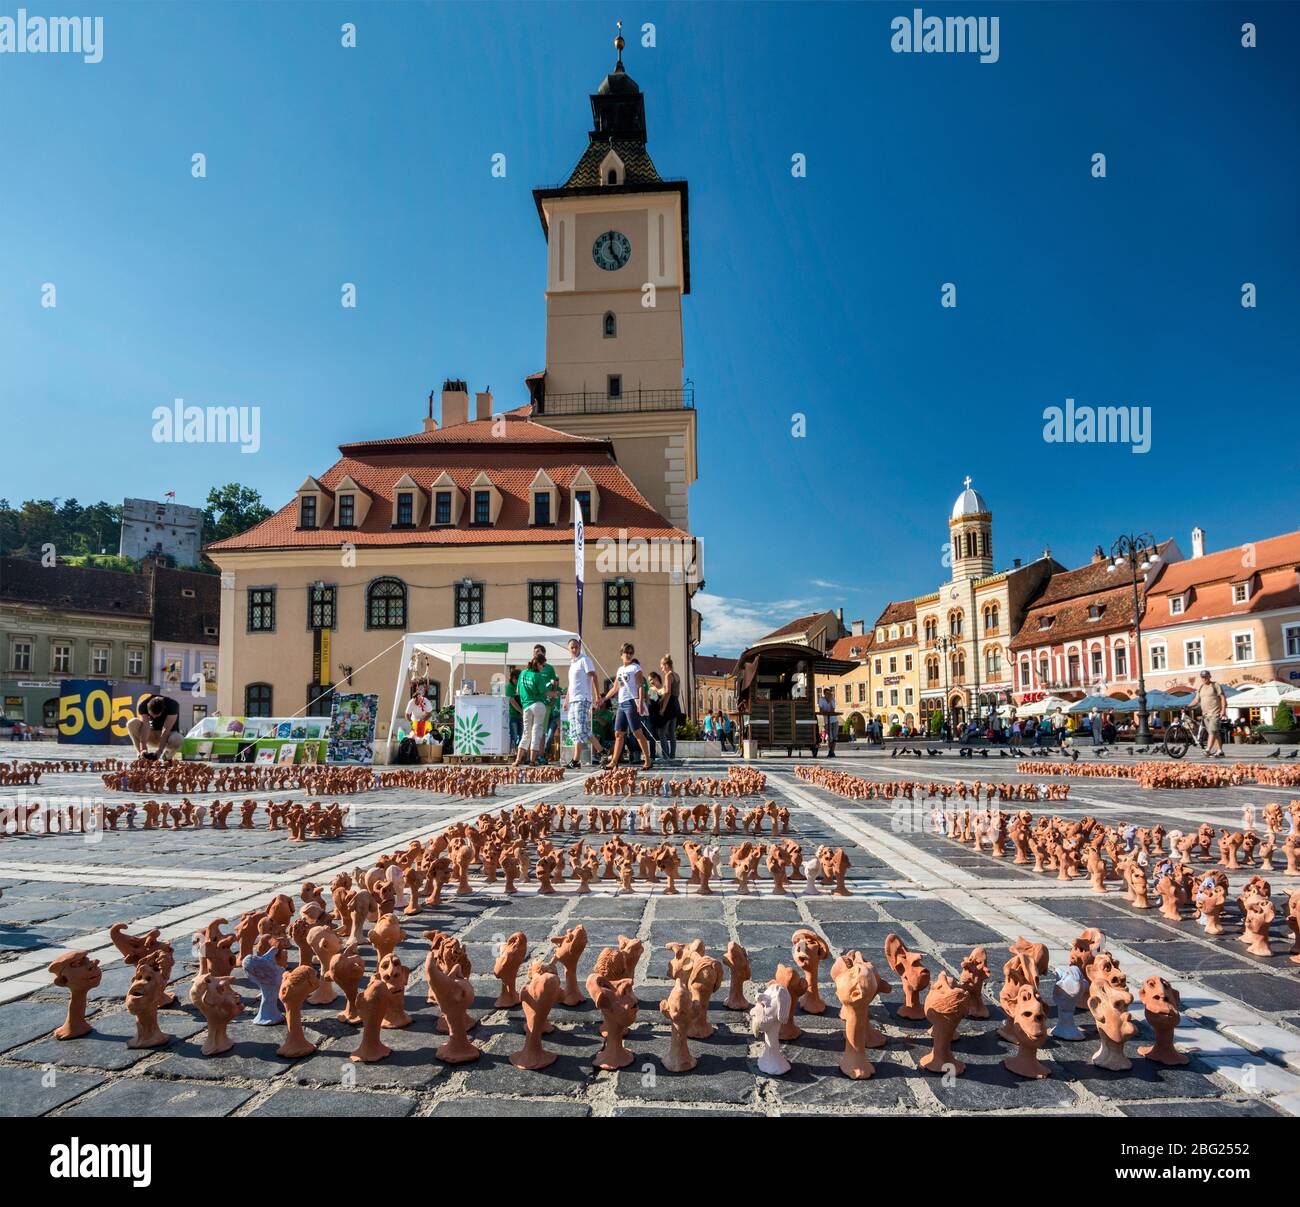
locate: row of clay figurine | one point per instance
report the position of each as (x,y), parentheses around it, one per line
(627,781)
(299,820)
(1092,976)
(1176,775)
(856,787)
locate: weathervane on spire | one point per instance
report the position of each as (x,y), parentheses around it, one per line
(619,43)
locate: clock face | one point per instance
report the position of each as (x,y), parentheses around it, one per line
(611,250)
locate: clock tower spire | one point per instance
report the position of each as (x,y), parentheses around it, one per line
(618,266)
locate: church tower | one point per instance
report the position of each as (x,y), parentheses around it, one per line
(617,267)
(971,531)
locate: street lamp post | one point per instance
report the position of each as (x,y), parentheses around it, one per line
(1136,554)
(942,644)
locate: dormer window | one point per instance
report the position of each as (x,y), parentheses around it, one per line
(307,511)
(404,512)
(1045,622)
(583,498)
(542,507)
(1095,611)
(1240,593)
(347,511)
(1177,605)
(482,507)
(610,323)
(442,507)
(187,592)
(611,169)
(880,634)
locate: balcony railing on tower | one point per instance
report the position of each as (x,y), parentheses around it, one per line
(601,402)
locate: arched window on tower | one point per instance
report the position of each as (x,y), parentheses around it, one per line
(612,177)
(610,324)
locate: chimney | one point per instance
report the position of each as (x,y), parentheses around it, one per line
(857,628)
(1198,542)
(1015,563)
(455,402)
(839,620)
(1098,555)
(430,423)
(483,404)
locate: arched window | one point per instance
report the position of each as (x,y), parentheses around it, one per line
(1024,673)
(993,662)
(991,617)
(612,178)
(610,324)
(257,700)
(955,623)
(386,604)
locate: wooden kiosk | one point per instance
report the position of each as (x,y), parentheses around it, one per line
(776,695)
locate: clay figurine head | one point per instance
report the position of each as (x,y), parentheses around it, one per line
(912,972)
(265,972)
(765,1018)
(79,974)
(217,1001)
(617,1004)
(296,986)
(945,1007)
(1028,1022)
(1162,1005)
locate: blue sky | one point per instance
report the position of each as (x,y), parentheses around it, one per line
(818,295)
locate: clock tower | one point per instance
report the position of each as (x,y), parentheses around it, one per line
(617,268)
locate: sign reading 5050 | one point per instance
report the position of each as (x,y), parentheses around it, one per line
(95,711)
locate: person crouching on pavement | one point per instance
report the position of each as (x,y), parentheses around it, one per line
(153,730)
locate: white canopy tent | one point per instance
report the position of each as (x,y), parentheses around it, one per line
(1264,695)
(509,642)
(1036,708)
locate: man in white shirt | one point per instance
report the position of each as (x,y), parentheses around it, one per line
(582,690)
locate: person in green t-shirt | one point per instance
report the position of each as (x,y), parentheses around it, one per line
(553,694)
(536,689)
(514,713)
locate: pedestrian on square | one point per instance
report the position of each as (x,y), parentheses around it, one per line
(553,695)
(514,714)
(154,726)
(582,690)
(1094,727)
(1211,701)
(826,706)
(670,708)
(533,695)
(630,687)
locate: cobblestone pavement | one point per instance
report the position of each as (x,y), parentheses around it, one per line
(1241,1013)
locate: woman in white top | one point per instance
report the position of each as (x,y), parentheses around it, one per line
(630,687)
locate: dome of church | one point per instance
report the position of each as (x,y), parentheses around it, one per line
(969,502)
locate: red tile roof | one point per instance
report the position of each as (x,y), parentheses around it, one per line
(899,612)
(74,588)
(801,624)
(464,452)
(1231,565)
(1269,566)
(707,664)
(854,648)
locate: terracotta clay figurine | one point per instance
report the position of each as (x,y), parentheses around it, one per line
(539,995)
(395,974)
(736,958)
(1162,1004)
(295,987)
(76,972)
(325,944)
(1108,1000)
(1028,1024)
(347,969)
(911,971)
(143,999)
(792,981)
(680,1011)
(703,979)
(265,972)
(945,1007)
(808,950)
(617,1004)
(455,995)
(506,969)
(372,1005)
(216,999)
(856,983)
(1069,994)
(385,935)
(568,951)
(975,972)
(769,1009)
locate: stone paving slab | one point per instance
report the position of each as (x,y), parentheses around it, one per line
(1242,1014)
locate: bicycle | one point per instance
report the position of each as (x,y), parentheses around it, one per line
(1180,737)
